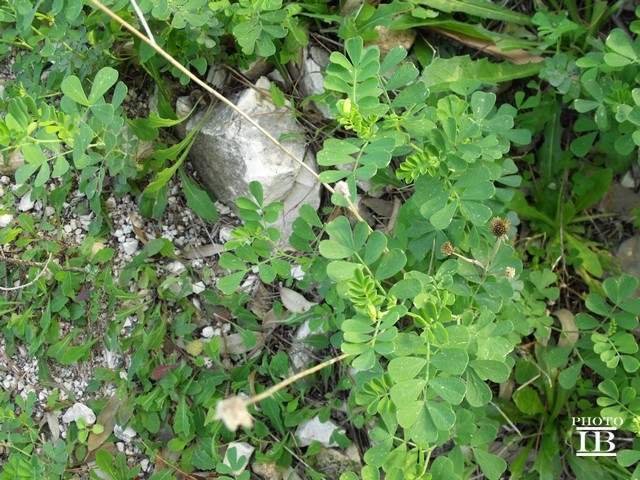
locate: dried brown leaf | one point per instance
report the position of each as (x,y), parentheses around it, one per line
(569,334)
(107,419)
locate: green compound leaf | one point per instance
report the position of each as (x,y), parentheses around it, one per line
(441,414)
(391,263)
(405,368)
(619,42)
(405,289)
(424,430)
(493,370)
(442,218)
(627,458)
(478,393)
(340,270)
(72,88)
(450,389)
(337,152)
(619,290)
(491,465)
(104,80)
(451,360)
(407,391)
(333,250)
(230,283)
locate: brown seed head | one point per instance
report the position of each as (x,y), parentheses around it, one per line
(499,227)
(447,248)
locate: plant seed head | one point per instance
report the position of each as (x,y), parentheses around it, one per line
(233,413)
(446,248)
(510,272)
(499,227)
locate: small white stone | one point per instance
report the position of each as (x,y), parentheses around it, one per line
(243,449)
(208,332)
(110,203)
(130,246)
(225,234)
(126,434)
(112,359)
(26,203)
(79,410)
(296,272)
(144,464)
(198,287)
(120,446)
(627,180)
(314,430)
(67,228)
(48,211)
(5,220)
(176,267)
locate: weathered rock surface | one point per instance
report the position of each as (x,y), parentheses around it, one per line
(620,200)
(316,431)
(243,449)
(229,153)
(388,39)
(629,256)
(77,411)
(313,62)
(334,463)
(271,471)
(15,161)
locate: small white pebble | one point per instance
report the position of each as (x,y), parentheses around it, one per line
(222,208)
(79,410)
(26,203)
(124,434)
(48,211)
(176,267)
(208,332)
(627,180)
(198,287)
(130,246)
(5,220)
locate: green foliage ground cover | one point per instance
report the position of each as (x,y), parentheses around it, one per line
(457,367)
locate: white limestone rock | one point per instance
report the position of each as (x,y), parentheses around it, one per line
(314,430)
(229,153)
(77,411)
(243,449)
